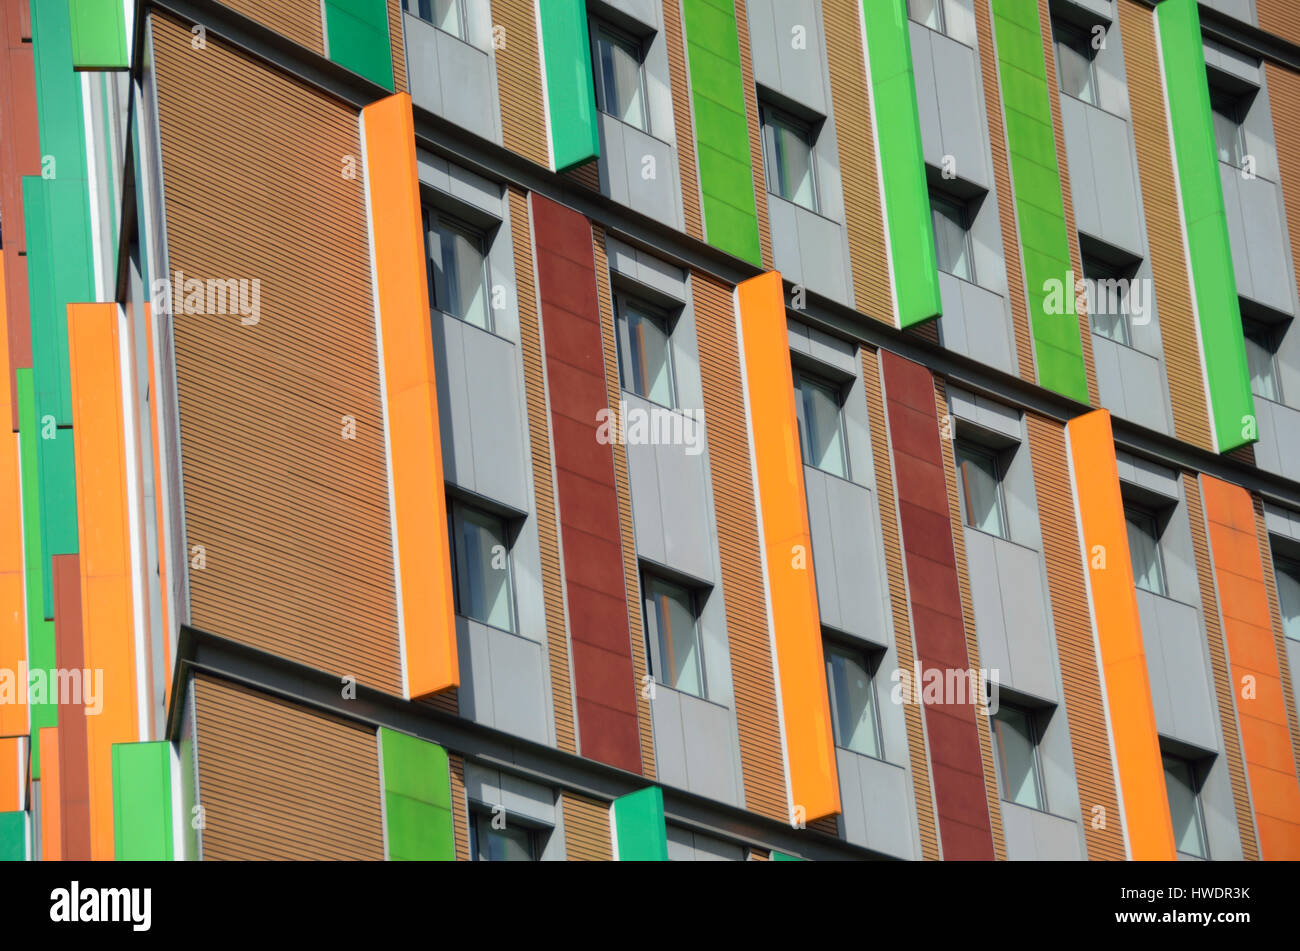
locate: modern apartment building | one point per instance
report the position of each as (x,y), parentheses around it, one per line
(650,429)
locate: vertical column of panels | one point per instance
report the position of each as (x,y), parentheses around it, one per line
(142,801)
(570,91)
(357,37)
(637,825)
(416,781)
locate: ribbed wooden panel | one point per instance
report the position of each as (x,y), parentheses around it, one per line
(530,343)
(1223,685)
(755,134)
(586,829)
(298,20)
(968,615)
(519,80)
(623,486)
(761,758)
(863,215)
(1085,708)
(683,118)
(1164,225)
(1279,18)
(459,807)
(293,518)
(396,37)
(759,855)
(1279,636)
(280,781)
(1071,231)
(1006,197)
(916,748)
(588,176)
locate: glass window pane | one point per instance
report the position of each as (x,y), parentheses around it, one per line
(1288,595)
(620,79)
(1017,757)
(670,620)
(821,428)
(789,160)
(853,702)
(951,239)
(446,16)
(1184,807)
(1227,126)
(465,276)
(927,13)
(1074,63)
(483,580)
(1108,306)
(1144,551)
(648,370)
(511,844)
(982,490)
(1261,361)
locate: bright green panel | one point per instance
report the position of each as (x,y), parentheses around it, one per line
(570,91)
(1040,206)
(98,34)
(142,801)
(1214,283)
(13,836)
(639,829)
(902,162)
(357,37)
(718,95)
(418,820)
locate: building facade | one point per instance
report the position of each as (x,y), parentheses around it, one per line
(650,429)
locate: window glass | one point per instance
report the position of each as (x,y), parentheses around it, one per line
(645,351)
(821,426)
(927,13)
(460,280)
(1109,310)
(674,636)
(787,147)
(1288,595)
(853,702)
(446,15)
(952,238)
(620,85)
(1074,62)
(1185,806)
(484,590)
(1144,550)
(1226,110)
(514,843)
(1016,743)
(1262,361)
(981,486)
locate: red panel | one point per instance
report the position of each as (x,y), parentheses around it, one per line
(956,766)
(604,682)
(74,763)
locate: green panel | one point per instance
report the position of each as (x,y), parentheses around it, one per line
(357,37)
(783,857)
(418,820)
(13,836)
(142,801)
(639,829)
(1040,206)
(721,129)
(1214,283)
(914,267)
(98,34)
(570,91)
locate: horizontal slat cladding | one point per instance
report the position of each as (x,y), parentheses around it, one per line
(292,516)
(761,759)
(280,781)
(755,139)
(925,814)
(683,118)
(1279,18)
(297,20)
(586,829)
(519,81)
(459,807)
(1275,613)
(1219,664)
(397,39)
(1094,770)
(1164,224)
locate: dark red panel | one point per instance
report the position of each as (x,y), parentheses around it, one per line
(956,767)
(74,760)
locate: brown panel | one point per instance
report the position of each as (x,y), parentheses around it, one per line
(1279,18)
(587,176)
(1225,694)
(299,20)
(519,81)
(459,807)
(586,829)
(755,135)
(761,759)
(293,518)
(1085,708)
(1279,636)
(280,781)
(74,755)
(1164,225)
(397,40)
(683,118)
(759,855)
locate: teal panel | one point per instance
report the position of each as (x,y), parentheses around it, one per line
(13,836)
(639,829)
(142,801)
(98,34)
(418,821)
(783,857)
(357,37)
(570,92)
(1209,251)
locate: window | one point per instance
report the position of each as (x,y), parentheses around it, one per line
(481,567)
(1109,304)
(927,13)
(1015,746)
(788,157)
(645,351)
(446,15)
(821,425)
(672,628)
(980,478)
(1261,358)
(1144,550)
(513,843)
(459,275)
(620,76)
(1228,135)
(952,237)
(1288,595)
(1183,789)
(1076,62)
(854,712)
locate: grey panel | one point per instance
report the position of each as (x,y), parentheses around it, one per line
(627,176)
(795,73)
(1144,390)
(519,797)
(862,602)
(1230,180)
(986,600)
(1113,180)
(1267,244)
(957,81)
(823,548)
(927,96)
(1033,835)
(952,325)
(1180,685)
(874,799)
(475,694)
(647,507)
(451,78)
(491,379)
(822,253)
(681,844)
(1268,451)
(1110,384)
(785,239)
(1243,10)
(454,420)
(687,846)
(695,745)
(670,743)
(986,332)
(1149,475)
(518,686)
(1025,618)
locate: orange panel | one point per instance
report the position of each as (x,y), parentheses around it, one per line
(103,533)
(787,548)
(1252,652)
(1113,600)
(51,797)
(13,773)
(13,619)
(428,621)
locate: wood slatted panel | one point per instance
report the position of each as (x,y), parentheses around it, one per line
(863,215)
(1006,197)
(588,176)
(586,829)
(530,343)
(623,486)
(1163,223)
(1094,769)
(298,20)
(1071,230)
(755,134)
(1279,18)
(519,81)
(459,807)
(916,746)
(759,855)
(293,518)
(1279,636)
(968,616)
(396,37)
(761,758)
(1219,664)
(281,781)
(683,118)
